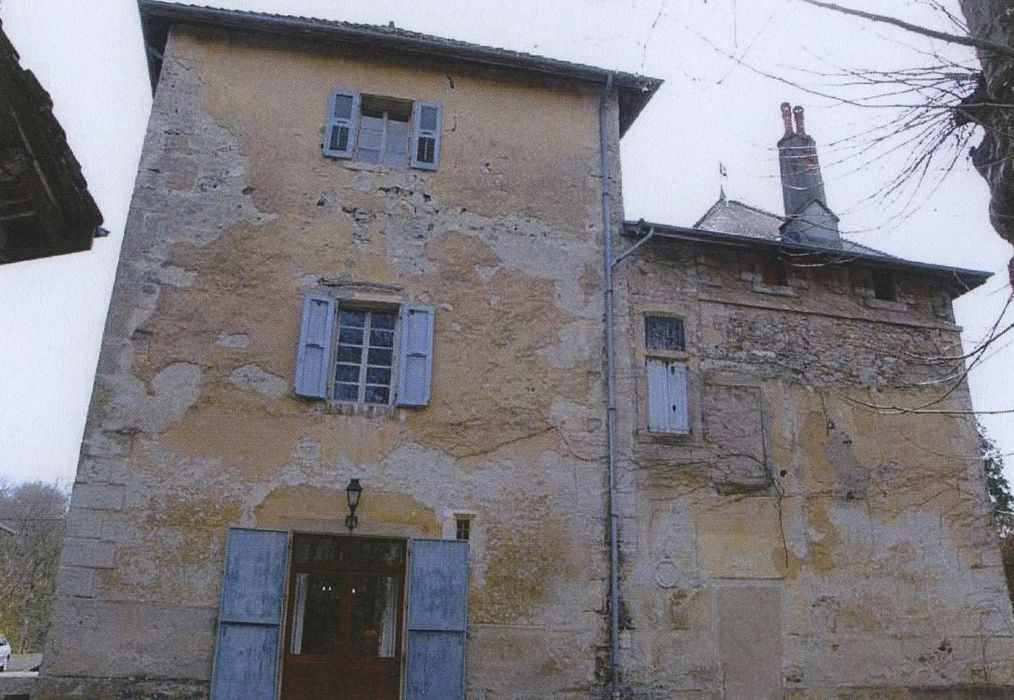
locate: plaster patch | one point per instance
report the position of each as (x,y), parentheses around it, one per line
(232,340)
(250,376)
(175,276)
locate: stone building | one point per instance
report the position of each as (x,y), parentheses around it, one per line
(364,257)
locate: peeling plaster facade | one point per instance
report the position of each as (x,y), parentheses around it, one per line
(792,545)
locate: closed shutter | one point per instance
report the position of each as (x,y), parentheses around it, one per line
(437,620)
(426,135)
(313,356)
(250,615)
(341,124)
(668,411)
(415,361)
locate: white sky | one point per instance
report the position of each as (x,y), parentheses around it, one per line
(88,54)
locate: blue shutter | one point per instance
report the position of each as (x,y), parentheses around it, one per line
(341,123)
(313,357)
(426,135)
(250,615)
(437,620)
(415,361)
(668,410)
(680,417)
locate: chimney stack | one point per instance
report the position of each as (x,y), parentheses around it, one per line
(808,218)
(798,113)
(787,118)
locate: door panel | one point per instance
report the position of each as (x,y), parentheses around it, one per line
(437,620)
(343,638)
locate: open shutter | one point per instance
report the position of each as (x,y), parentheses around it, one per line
(313,357)
(658,396)
(250,615)
(437,620)
(426,135)
(341,123)
(667,397)
(415,361)
(680,416)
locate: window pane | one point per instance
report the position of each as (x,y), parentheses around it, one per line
(321,606)
(350,336)
(353,318)
(380,357)
(348,373)
(385,321)
(378,375)
(350,353)
(663,333)
(381,338)
(346,392)
(377,394)
(373,616)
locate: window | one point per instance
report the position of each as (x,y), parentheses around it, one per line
(884,287)
(462,527)
(374,356)
(773,272)
(664,333)
(365,356)
(382,130)
(666,371)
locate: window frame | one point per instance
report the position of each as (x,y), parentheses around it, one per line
(370,309)
(416,133)
(669,357)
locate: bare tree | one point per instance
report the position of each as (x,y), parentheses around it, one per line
(33,517)
(954,97)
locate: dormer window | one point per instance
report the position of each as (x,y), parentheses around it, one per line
(884,286)
(382,130)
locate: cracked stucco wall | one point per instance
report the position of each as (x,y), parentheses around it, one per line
(797,544)
(194,427)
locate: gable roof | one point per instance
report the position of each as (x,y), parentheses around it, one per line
(157,17)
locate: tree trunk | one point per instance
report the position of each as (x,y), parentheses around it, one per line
(992,106)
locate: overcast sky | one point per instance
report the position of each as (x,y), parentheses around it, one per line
(89,55)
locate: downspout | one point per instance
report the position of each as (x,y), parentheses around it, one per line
(614,544)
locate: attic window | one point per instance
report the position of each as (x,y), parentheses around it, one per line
(884,287)
(382,130)
(664,333)
(773,272)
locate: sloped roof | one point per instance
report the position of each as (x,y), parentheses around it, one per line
(158,16)
(739,219)
(732,223)
(45,206)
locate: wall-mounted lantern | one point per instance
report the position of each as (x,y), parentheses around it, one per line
(352,493)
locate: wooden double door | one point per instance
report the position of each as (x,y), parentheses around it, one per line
(345,618)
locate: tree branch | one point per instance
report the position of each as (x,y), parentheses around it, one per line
(973,42)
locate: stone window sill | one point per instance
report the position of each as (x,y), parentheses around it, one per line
(782,291)
(886,305)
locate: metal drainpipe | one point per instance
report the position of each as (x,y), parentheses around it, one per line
(614,545)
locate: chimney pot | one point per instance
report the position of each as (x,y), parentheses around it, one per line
(787,118)
(798,112)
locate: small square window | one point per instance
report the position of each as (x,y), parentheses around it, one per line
(884,287)
(664,333)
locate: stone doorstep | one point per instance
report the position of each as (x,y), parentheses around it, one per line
(18,683)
